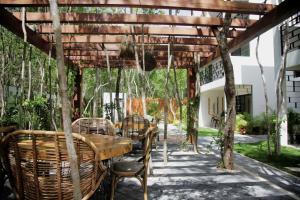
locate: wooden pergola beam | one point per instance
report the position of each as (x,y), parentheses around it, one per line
(283,11)
(112,39)
(155,47)
(93,18)
(126,30)
(199,5)
(114,58)
(131,64)
(117,53)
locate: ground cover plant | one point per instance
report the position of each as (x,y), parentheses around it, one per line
(289,157)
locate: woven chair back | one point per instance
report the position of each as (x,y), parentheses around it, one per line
(151,133)
(93,126)
(38,166)
(134,124)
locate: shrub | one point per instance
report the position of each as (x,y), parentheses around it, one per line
(241,124)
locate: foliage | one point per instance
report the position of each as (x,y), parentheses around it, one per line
(153,110)
(241,123)
(10,118)
(36,113)
(289,157)
(220,142)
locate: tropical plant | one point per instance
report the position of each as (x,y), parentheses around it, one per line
(241,124)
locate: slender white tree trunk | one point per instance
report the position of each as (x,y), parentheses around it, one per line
(109,81)
(66,106)
(265,95)
(29,73)
(165,154)
(280,91)
(42,72)
(96,94)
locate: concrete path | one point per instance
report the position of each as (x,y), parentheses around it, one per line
(195,176)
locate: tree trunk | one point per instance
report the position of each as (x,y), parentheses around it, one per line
(42,71)
(279,91)
(178,100)
(266,97)
(117,94)
(109,81)
(228,140)
(2,78)
(66,107)
(129,93)
(96,94)
(29,73)
(142,77)
(24,54)
(165,154)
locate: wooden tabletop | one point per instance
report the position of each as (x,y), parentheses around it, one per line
(106,146)
(109,146)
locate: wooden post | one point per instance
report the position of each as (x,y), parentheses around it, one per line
(77,95)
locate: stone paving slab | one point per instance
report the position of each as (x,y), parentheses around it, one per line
(195,176)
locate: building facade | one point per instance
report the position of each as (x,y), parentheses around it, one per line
(248,81)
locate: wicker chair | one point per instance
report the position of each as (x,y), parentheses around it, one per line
(135,126)
(138,169)
(93,126)
(38,166)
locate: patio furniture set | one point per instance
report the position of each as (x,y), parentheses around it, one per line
(38,167)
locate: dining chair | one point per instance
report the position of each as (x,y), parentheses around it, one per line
(93,126)
(38,167)
(134,126)
(137,169)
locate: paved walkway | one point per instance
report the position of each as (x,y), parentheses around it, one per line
(195,176)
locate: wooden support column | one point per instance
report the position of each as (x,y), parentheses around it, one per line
(76,105)
(191,94)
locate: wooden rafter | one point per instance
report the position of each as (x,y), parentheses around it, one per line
(39,17)
(149,40)
(131,64)
(200,5)
(126,30)
(113,58)
(156,47)
(283,11)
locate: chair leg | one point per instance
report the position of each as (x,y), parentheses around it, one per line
(145,187)
(113,186)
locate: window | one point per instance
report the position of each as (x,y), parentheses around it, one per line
(242,51)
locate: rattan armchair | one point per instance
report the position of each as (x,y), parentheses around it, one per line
(137,169)
(38,166)
(93,126)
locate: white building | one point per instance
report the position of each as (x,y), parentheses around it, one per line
(248,81)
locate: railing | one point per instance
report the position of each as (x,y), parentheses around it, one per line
(293,33)
(212,73)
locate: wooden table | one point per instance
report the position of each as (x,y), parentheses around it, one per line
(106,146)
(109,146)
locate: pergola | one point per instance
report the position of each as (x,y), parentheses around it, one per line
(84,33)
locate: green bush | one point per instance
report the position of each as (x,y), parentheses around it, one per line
(36,113)
(241,123)
(153,110)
